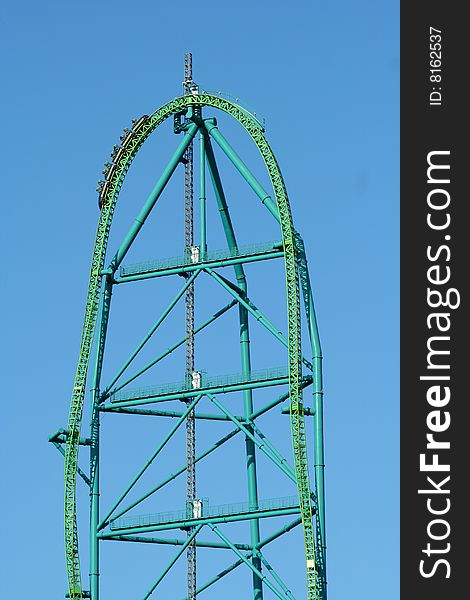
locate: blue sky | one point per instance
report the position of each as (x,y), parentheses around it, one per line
(325,77)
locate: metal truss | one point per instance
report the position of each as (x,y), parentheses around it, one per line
(309,509)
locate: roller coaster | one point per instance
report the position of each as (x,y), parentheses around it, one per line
(195,113)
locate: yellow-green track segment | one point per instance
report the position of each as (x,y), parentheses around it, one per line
(314,533)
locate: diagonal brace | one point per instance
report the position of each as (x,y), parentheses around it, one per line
(174,475)
(269,445)
(179,343)
(79,471)
(285,529)
(152,199)
(219,575)
(276,577)
(265,580)
(157,324)
(253,310)
(213,131)
(163,443)
(173,560)
(279,462)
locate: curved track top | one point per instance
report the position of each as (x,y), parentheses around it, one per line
(111,193)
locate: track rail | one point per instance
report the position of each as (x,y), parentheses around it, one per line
(123,158)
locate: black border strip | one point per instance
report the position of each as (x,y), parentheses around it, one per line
(434,131)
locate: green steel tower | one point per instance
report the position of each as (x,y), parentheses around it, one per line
(206,399)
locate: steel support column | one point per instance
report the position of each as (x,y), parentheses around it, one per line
(212,129)
(318,408)
(246,368)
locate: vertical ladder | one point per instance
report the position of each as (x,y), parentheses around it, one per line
(189,317)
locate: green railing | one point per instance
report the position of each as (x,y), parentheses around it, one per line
(206,382)
(261,121)
(222,510)
(182,261)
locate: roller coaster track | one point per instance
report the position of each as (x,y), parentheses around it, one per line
(122,160)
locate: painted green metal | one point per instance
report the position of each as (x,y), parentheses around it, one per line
(246,366)
(189,539)
(189,268)
(172,476)
(253,515)
(153,329)
(318,410)
(180,264)
(153,197)
(172,542)
(180,391)
(60,436)
(83,475)
(279,400)
(202,197)
(94,453)
(265,447)
(251,565)
(168,413)
(239,562)
(285,529)
(171,349)
(265,441)
(173,519)
(212,129)
(220,575)
(277,579)
(315,557)
(154,455)
(250,307)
